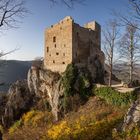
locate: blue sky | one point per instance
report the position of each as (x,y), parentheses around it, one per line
(30,36)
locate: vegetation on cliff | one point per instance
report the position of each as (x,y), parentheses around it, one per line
(76,84)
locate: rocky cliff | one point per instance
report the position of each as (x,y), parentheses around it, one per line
(58,93)
(18,100)
(132,118)
(46,85)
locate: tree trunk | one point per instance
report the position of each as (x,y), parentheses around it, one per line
(110,75)
(131,72)
(131,57)
(111,63)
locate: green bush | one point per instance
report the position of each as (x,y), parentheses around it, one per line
(75,82)
(84,86)
(114,97)
(68,79)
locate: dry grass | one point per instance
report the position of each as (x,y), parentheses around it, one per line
(95,110)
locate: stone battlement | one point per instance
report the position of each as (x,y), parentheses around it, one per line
(61,22)
(93,25)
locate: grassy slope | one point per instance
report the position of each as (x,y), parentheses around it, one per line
(95,110)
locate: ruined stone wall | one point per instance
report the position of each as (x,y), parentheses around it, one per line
(97,30)
(87,51)
(85,42)
(58,45)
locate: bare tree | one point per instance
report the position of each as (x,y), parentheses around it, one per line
(68,3)
(111,35)
(136,8)
(132,16)
(130,49)
(10,12)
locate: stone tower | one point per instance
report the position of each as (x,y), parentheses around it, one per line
(67,42)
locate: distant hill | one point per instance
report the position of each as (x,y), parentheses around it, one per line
(121,71)
(11,71)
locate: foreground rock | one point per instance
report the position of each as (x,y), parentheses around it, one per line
(19,100)
(132,117)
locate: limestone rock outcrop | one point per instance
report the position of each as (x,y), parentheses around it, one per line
(46,85)
(132,117)
(19,100)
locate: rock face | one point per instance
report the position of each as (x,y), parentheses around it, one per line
(3,100)
(132,117)
(19,100)
(46,85)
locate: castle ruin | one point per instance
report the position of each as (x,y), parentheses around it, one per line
(67,42)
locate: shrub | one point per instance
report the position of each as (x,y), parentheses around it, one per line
(84,86)
(67,81)
(1,129)
(33,118)
(114,97)
(59,132)
(27,118)
(15,126)
(69,78)
(82,129)
(37,118)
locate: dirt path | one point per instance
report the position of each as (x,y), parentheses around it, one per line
(122,89)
